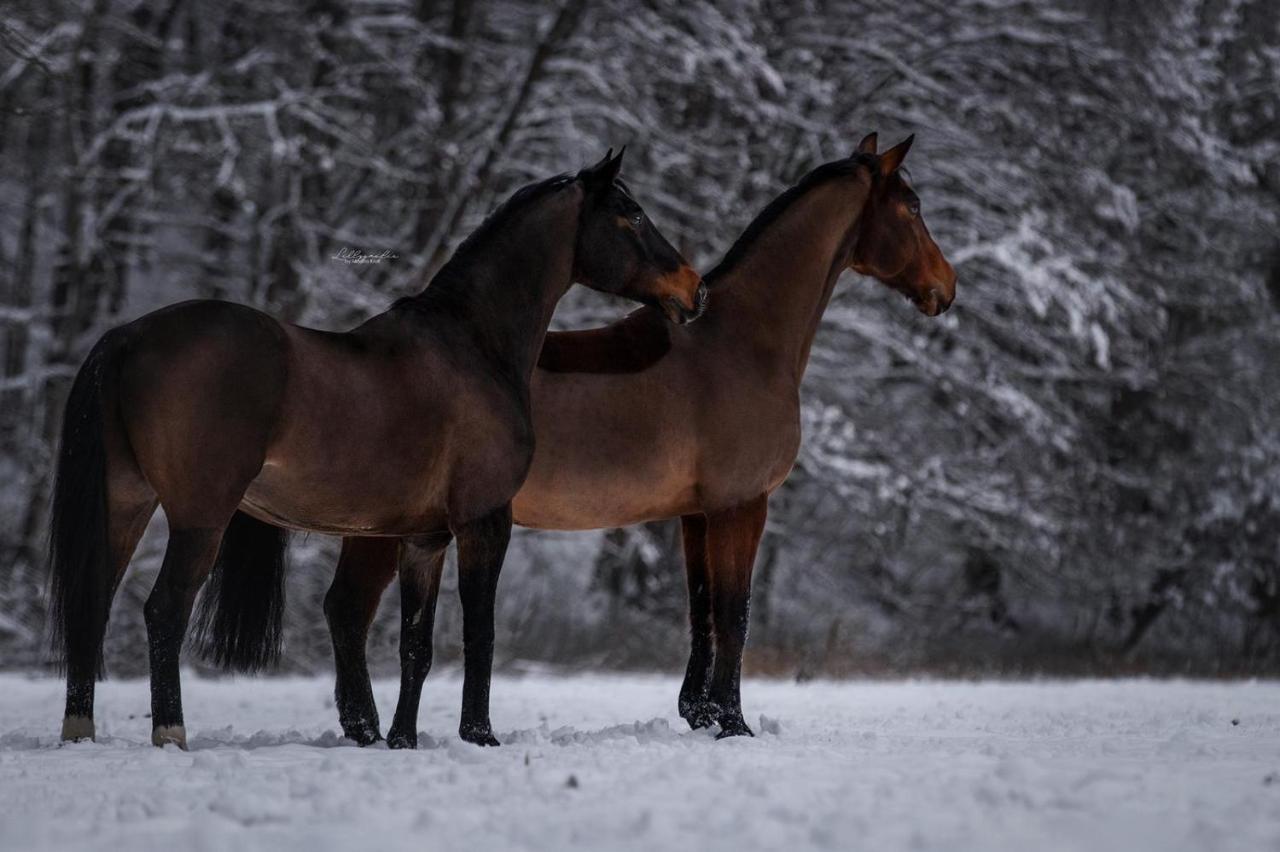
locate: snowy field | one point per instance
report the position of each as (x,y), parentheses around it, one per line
(603,762)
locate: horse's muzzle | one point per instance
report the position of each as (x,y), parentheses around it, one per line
(678,312)
(934,302)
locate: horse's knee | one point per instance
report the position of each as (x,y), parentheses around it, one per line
(419,656)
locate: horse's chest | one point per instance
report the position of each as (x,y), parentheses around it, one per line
(751,447)
(489,461)
(499,453)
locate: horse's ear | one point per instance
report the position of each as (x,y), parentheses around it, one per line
(614,166)
(867,145)
(603,173)
(891,160)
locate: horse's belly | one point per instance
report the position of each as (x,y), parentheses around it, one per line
(339,506)
(565,497)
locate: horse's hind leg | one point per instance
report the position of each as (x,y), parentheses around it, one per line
(419,589)
(732,539)
(130,506)
(694,705)
(198,515)
(200,493)
(187,561)
(365,568)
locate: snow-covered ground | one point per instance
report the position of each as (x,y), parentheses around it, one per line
(603,762)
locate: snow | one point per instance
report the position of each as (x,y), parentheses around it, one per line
(603,762)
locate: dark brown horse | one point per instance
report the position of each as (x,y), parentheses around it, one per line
(416,425)
(637,422)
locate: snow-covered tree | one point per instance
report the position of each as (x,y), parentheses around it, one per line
(1076,467)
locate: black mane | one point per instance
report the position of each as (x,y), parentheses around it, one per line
(521,198)
(451,275)
(821,174)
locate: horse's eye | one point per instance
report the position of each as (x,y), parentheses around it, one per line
(637,219)
(914,208)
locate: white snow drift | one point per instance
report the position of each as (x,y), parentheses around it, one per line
(603,762)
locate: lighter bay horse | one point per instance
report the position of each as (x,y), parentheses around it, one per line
(639,421)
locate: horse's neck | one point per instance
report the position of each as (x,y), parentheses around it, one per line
(774,296)
(507,289)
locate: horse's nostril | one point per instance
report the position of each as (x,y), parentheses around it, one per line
(940,300)
(678,313)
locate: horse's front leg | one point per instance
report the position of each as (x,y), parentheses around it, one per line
(482,546)
(420,570)
(365,569)
(694,703)
(732,539)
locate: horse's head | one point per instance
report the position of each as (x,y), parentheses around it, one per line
(893,243)
(620,251)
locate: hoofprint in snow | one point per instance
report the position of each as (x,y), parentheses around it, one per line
(603,762)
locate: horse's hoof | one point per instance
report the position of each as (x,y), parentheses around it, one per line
(481,735)
(734,726)
(697,714)
(396,739)
(169,735)
(361,735)
(77,729)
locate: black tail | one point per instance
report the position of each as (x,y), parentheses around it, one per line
(79,552)
(239,624)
